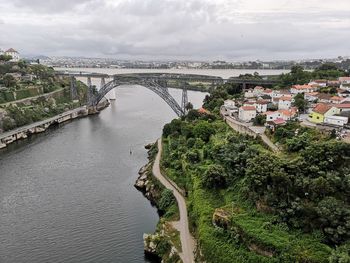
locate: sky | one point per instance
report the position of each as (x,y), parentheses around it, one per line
(231,30)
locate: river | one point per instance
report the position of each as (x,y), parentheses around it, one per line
(67,195)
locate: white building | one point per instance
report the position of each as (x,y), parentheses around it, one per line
(284,103)
(229,104)
(13,53)
(1,52)
(249,93)
(297,89)
(311,97)
(261,106)
(319,82)
(280,114)
(273,115)
(336,120)
(247,113)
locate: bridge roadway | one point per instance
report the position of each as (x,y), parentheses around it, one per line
(170,76)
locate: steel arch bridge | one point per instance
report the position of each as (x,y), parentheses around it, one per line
(150,84)
(156,82)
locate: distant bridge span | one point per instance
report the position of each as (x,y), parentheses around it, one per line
(156,82)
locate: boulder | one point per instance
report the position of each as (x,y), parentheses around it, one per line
(222,218)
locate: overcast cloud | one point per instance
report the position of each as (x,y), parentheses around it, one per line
(177,29)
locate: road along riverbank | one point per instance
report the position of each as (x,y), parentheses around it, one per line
(23,132)
(171,230)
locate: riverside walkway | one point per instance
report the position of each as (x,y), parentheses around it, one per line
(19,133)
(187,241)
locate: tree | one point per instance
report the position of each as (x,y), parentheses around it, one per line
(300,102)
(189,106)
(203,130)
(166,200)
(341,254)
(214,177)
(5,58)
(259,120)
(9,80)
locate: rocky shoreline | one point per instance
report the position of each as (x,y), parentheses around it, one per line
(159,245)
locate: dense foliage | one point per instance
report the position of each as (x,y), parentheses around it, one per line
(296,204)
(300,76)
(19,81)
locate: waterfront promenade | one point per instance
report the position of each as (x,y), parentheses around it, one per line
(40,126)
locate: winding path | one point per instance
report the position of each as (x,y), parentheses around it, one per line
(187,241)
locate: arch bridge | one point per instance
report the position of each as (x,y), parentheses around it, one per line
(156,82)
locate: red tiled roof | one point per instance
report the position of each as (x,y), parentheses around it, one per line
(279,121)
(324,96)
(286,98)
(343,105)
(288,113)
(301,87)
(336,98)
(248,108)
(263,102)
(311,93)
(322,108)
(270,112)
(204,111)
(11,50)
(341,79)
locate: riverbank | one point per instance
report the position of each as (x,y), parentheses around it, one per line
(24,132)
(166,243)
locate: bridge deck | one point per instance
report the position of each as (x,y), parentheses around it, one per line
(169,76)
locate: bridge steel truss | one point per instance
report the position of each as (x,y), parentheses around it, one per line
(149,83)
(156,82)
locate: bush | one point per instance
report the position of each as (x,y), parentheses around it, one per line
(214,177)
(167,199)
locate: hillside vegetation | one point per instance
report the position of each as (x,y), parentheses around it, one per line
(30,93)
(248,204)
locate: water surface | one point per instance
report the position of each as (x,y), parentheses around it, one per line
(68,195)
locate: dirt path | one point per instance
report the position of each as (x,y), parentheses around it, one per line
(187,241)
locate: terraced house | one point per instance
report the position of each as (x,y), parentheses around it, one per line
(321,111)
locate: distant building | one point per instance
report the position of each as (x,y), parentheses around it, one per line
(319,82)
(247,113)
(261,105)
(336,120)
(284,103)
(13,53)
(230,106)
(297,89)
(321,111)
(2,52)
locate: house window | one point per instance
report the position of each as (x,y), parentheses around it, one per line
(317,117)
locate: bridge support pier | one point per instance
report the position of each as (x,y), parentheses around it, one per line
(103,82)
(73,88)
(184,100)
(90,92)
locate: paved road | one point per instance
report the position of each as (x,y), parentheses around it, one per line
(39,123)
(187,241)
